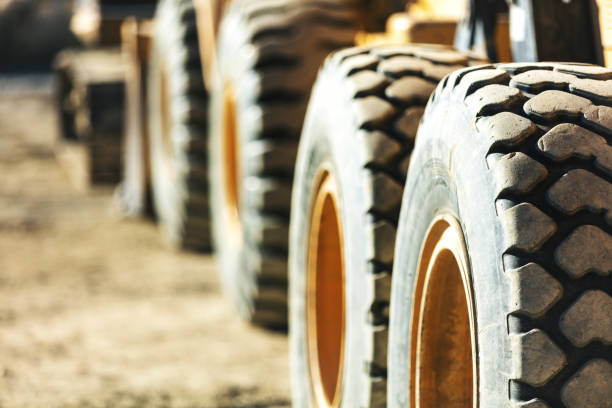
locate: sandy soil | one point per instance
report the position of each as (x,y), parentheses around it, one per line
(96,311)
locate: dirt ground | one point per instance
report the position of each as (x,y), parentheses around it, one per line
(95,311)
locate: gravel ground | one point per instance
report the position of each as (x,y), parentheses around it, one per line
(96,311)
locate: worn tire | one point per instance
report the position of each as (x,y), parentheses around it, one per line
(177,128)
(268,54)
(520,155)
(360,127)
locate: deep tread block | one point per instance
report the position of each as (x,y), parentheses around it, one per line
(579,190)
(403,65)
(568,140)
(411,90)
(359,63)
(590,387)
(385,193)
(587,71)
(383,243)
(408,123)
(379,148)
(540,358)
(526,227)
(518,173)
(534,290)
(588,319)
(372,111)
(494,98)
(552,104)
(506,129)
(587,248)
(367,82)
(540,80)
(475,80)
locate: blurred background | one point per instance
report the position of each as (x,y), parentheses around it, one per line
(32,32)
(96,310)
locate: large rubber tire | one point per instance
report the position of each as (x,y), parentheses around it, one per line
(177,128)
(360,128)
(268,56)
(521,156)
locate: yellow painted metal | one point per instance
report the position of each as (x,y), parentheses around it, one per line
(405,28)
(231,165)
(419,27)
(325,303)
(438,9)
(91,27)
(443,349)
(605,25)
(208,14)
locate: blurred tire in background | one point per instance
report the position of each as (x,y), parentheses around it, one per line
(32,32)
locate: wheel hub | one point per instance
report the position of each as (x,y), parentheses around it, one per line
(325,303)
(231,164)
(443,347)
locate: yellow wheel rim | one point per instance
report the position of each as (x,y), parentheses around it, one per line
(443,348)
(325,303)
(231,164)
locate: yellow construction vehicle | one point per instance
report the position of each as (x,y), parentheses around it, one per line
(434,228)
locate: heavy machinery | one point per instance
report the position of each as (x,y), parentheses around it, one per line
(443,233)
(90,89)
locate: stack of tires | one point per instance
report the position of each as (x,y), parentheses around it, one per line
(435,230)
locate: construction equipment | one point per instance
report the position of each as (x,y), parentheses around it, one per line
(442,232)
(90,92)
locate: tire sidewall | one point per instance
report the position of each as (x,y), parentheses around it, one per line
(168,188)
(330,140)
(233,263)
(448,175)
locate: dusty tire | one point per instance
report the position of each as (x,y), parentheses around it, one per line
(358,135)
(268,57)
(177,104)
(520,156)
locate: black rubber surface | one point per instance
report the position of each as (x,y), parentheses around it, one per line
(361,124)
(268,53)
(178,148)
(520,154)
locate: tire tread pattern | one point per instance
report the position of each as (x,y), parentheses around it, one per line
(388,87)
(550,131)
(287,40)
(188,98)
